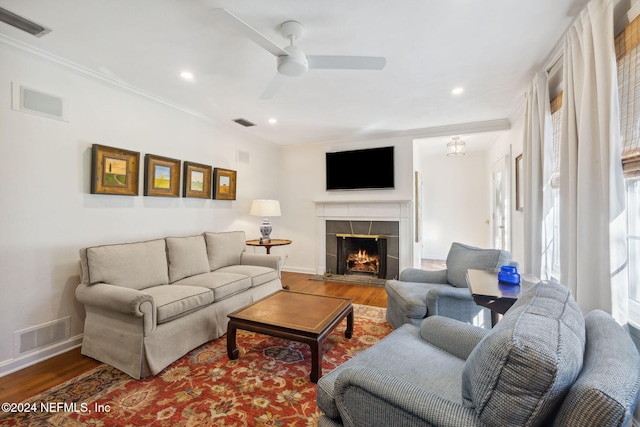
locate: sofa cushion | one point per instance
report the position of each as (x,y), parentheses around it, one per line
(224,249)
(187,257)
(176,301)
(132,265)
(463,257)
(520,372)
(606,392)
(259,275)
(223,285)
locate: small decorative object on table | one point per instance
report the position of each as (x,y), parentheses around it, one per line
(265,208)
(509,275)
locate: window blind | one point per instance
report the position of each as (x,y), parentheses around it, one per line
(628,57)
(556,123)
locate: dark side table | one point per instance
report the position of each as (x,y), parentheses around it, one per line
(488,292)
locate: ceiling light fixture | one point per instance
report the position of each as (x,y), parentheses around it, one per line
(187,75)
(456,147)
(273,121)
(457,91)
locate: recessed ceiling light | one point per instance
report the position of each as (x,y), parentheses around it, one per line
(457,91)
(187,75)
(273,121)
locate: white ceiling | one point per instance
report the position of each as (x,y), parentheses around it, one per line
(492,48)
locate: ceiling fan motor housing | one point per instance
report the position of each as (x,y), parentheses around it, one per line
(293,65)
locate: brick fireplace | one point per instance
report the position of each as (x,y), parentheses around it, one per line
(375,238)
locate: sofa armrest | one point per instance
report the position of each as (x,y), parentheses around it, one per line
(116,298)
(263,260)
(451,335)
(368,397)
(423,276)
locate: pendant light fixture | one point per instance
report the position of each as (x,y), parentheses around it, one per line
(456,147)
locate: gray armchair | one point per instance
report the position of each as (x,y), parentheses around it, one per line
(542,364)
(421,293)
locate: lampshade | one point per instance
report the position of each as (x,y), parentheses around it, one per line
(265,208)
(456,147)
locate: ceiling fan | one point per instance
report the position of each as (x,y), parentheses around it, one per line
(292,61)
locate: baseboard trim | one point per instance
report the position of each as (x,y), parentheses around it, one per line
(13,365)
(299,270)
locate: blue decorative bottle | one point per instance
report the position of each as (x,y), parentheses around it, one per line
(509,274)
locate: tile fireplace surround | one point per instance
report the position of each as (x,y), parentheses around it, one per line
(398,211)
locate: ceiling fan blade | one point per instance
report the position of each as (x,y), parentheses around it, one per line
(248,31)
(273,87)
(332,62)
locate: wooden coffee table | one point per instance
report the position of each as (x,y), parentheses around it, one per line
(294,316)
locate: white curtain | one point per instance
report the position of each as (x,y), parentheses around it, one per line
(537,157)
(592,227)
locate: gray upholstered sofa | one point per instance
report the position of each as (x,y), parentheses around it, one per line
(149,303)
(421,293)
(542,364)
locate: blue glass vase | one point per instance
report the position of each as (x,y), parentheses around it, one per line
(509,274)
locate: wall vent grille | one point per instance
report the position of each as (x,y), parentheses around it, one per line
(40,336)
(35,101)
(242,156)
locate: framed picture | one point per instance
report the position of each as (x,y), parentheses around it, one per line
(519,183)
(224,184)
(161,176)
(114,171)
(196,181)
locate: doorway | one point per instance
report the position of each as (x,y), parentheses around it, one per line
(500,206)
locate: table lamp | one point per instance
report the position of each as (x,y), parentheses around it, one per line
(265,209)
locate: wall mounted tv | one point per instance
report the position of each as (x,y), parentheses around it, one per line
(366,169)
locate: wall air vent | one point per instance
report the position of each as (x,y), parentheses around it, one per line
(23,23)
(35,101)
(37,337)
(244,122)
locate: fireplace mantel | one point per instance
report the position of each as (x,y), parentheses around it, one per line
(365,210)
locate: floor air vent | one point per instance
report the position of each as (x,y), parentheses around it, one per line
(37,337)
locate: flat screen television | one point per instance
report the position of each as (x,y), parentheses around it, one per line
(366,169)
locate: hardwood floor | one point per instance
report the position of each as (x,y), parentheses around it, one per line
(35,379)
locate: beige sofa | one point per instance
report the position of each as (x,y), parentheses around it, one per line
(149,303)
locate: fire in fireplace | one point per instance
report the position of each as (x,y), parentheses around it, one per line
(362,254)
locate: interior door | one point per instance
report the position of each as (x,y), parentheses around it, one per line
(500,204)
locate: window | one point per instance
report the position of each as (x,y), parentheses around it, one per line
(633,215)
(628,57)
(556,123)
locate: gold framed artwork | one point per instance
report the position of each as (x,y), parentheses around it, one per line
(519,181)
(161,176)
(114,171)
(224,184)
(196,181)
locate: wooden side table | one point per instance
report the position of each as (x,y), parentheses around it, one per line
(268,244)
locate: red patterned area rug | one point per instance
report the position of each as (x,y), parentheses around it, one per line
(268,385)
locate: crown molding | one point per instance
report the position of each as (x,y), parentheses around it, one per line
(430,132)
(34,52)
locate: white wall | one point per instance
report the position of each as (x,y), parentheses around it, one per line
(513,139)
(302,182)
(47,213)
(455,200)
